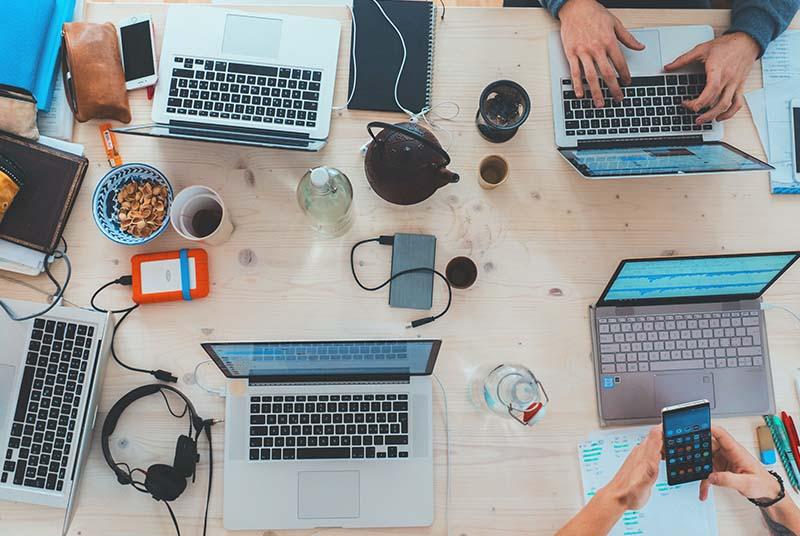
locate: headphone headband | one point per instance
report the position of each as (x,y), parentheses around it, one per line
(121,405)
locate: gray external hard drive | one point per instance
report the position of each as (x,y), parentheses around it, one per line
(414,290)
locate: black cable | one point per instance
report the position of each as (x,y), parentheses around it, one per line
(127,280)
(207,428)
(60,289)
(172,515)
(388,241)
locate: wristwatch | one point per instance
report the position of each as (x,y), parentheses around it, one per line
(766,503)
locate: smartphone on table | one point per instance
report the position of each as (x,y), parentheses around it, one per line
(138,52)
(794,118)
(687,441)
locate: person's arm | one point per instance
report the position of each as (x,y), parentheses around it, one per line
(736,468)
(628,490)
(763,20)
(552,6)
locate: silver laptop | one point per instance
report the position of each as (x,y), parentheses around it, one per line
(649,133)
(245,78)
(670,330)
(328,434)
(51,369)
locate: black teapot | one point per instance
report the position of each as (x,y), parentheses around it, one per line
(405,164)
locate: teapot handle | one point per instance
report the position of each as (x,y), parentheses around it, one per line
(410,134)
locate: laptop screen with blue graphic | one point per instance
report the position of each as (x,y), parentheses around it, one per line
(304,360)
(681,158)
(695,279)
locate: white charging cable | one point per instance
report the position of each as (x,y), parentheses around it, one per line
(767,306)
(449,464)
(209,390)
(355,64)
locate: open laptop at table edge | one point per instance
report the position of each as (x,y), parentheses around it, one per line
(21,331)
(291,504)
(663,45)
(637,397)
(211,36)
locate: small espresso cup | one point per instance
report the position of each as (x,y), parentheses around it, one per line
(199,214)
(461,272)
(492,171)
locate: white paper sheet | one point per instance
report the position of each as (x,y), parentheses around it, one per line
(58,121)
(671,509)
(781,61)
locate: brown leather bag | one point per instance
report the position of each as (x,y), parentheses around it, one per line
(93,76)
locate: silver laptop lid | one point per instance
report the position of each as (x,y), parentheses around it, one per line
(703,279)
(325,360)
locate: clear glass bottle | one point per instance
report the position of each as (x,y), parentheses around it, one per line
(325,196)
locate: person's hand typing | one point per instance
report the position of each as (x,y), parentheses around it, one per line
(591,35)
(736,468)
(728,60)
(634,481)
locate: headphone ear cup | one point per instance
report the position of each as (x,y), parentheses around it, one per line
(164,483)
(186,457)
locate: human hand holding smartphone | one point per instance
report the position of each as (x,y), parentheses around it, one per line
(687,441)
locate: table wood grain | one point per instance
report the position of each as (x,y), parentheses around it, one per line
(545,243)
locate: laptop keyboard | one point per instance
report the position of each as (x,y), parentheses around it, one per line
(316,427)
(202,87)
(655,343)
(44,421)
(651,105)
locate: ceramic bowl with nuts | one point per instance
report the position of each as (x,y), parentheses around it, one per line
(131,204)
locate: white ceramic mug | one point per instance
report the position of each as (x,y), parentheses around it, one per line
(188,203)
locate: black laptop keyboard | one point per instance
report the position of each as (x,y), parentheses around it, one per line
(47,409)
(315,427)
(202,87)
(652,105)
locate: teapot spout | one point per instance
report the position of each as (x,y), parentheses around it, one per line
(445,177)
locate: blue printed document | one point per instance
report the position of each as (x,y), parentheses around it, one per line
(602,455)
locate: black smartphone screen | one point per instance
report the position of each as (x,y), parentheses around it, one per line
(137,51)
(687,443)
(796,127)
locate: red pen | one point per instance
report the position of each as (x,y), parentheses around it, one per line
(791,431)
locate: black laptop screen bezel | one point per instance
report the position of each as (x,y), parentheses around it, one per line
(603,302)
(277,378)
(621,144)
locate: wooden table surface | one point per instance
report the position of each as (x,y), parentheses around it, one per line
(545,243)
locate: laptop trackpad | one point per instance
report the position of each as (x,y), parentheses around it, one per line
(680,387)
(328,494)
(647,61)
(7,401)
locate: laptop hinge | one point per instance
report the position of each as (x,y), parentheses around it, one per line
(218,129)
(330,379)
(618,143)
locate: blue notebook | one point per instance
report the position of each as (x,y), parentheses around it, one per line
(29,47)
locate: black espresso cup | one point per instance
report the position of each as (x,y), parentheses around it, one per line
(503,107)
(461,272)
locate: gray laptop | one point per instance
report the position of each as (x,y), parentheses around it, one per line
(51,369)
(328,434)
(669,330)
(650,132)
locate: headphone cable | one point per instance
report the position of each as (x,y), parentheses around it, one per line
(172,515)
(386,240)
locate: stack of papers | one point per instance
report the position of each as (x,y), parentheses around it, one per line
(675,507)
(22,260)
(770,108)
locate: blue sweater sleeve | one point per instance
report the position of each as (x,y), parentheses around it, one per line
(554,5)
(763,20)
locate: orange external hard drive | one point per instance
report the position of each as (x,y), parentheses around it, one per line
(170,276)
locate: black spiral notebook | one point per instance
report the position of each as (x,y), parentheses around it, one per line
(379,54)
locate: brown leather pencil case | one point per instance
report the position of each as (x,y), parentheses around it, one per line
(93,76)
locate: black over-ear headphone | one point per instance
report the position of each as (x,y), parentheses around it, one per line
(163,482)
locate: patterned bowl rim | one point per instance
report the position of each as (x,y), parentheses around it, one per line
(96,196)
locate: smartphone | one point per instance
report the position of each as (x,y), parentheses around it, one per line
(687,441)
(138,52)
(795,128)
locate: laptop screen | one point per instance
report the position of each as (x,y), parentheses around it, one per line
(695,279)
(304,360)
(681,158)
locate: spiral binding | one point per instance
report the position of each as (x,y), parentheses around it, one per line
(431,43)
